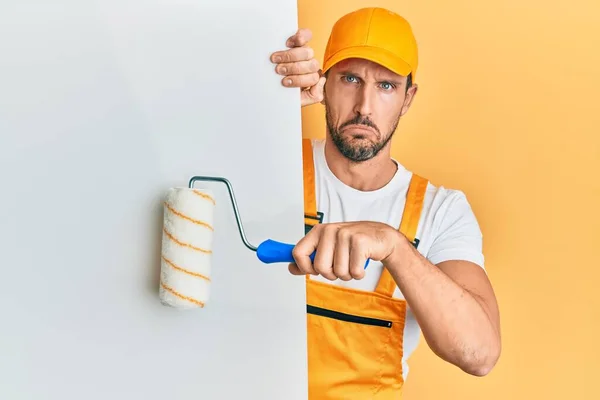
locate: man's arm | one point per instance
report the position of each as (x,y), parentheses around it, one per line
(454,304)
(452,301)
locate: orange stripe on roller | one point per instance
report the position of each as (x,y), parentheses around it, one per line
(172,264)
(205,196)
(174,293)
(179,214)
(174,239)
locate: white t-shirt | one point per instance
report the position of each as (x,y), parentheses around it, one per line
(448,229)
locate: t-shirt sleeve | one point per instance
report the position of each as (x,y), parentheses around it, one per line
(459,236)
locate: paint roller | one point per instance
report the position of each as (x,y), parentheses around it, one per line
(187,239)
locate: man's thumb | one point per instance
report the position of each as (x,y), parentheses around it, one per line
(317,91)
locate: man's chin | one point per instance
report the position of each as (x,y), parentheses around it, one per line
(357,152)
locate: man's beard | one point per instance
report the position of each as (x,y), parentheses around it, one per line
(363,151)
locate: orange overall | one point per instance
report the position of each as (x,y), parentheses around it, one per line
(354,336)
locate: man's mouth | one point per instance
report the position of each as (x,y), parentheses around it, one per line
(360,129)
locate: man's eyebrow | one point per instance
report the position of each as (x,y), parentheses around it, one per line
(347,72)
(391,80)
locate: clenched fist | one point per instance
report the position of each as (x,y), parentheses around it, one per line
(342,249)
(299,67)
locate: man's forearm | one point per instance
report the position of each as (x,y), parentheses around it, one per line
(455,322)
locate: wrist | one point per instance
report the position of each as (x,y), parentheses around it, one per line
(400,250)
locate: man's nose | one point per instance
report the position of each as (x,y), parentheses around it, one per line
(364,100)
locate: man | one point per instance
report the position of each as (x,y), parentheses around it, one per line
(422,243)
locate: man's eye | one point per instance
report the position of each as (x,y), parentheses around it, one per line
(387,86)
(350,78)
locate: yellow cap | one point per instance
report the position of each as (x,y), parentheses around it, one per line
(375,34)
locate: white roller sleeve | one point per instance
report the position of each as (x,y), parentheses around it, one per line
(186,248)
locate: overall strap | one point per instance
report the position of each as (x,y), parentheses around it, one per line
(311,217)
(408,226)
(310,199)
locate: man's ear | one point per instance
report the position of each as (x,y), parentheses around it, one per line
(409,97)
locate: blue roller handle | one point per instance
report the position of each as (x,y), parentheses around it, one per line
(271,251)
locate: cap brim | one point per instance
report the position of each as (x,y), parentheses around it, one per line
(374,54)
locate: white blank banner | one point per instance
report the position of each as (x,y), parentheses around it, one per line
(103,107)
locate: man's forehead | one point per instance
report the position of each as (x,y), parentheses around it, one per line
(363,66)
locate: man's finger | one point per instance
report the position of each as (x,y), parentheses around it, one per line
(298,67)
(342,255)
(293,55)
(301,81)
(303,250)
(294,270)
(323,262)
(300,38)
(357,257)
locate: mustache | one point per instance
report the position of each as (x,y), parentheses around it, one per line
(360,120)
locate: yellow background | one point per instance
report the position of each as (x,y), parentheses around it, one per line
(508,111)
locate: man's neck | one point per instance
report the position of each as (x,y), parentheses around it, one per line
(364,176)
